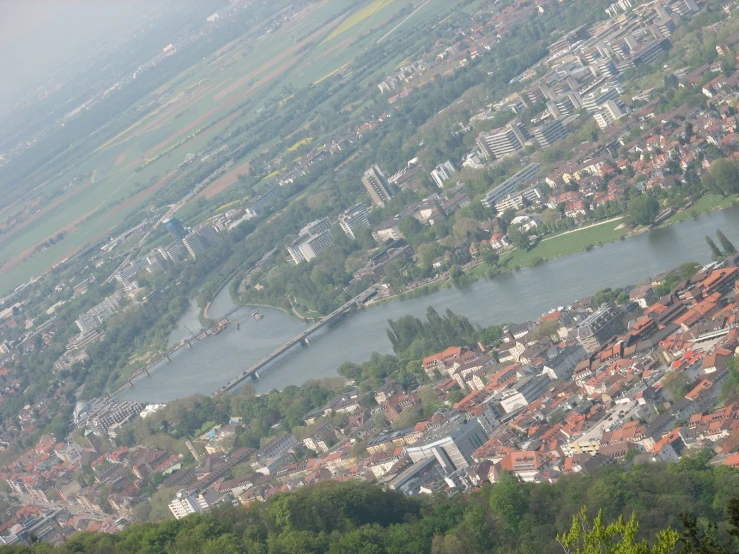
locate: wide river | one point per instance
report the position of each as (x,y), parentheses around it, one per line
(514,297)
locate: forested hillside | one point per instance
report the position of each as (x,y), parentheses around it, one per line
(509,517)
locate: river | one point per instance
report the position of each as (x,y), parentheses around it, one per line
(514,297)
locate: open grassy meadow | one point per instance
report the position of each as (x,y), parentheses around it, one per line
(567,243)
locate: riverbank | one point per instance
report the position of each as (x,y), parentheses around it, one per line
(523,295)
(557,246)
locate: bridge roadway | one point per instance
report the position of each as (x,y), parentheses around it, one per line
(252,370)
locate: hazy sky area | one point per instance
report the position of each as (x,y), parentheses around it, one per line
(37,36)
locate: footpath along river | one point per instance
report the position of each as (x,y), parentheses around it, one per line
(515,297)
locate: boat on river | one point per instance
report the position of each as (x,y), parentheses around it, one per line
(256,315)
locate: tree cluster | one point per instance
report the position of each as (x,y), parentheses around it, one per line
(510,516)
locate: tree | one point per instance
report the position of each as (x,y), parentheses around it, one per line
(426,252)
(725,243)
(488,255)
(409,227)
(702,538)
(616,538)
(725,177)
(456,274)
(715,252)
(549,216)
(509,500)
(518,238)
(464,227)
(509,215)
(643,209)
(727,66)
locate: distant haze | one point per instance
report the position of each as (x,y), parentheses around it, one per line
(36,36)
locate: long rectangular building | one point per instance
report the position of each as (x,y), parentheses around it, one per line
(313,239)
(511,185)
(503,142)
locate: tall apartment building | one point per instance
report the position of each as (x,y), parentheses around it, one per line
(257,207)
(442,173)
(664,27)
(452,444)
(95,317)
(312,240)
(354,220)
(597,98)
(549,133)
(511,185)
(200,241)
(610,111)
(595,330)
(561,106)
(503,142)
(648,52)
(377,186)
(114,415)
(316,245)
(175,228)
(518,199)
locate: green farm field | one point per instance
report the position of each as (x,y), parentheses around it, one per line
(195,111)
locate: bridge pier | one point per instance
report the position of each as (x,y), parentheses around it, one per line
(166,357)
(146,371)
(256,375)
(130,383)
(187,343)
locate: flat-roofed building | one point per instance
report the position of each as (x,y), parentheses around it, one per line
(377,186)
(511,185)
(503,142)
(354,220)
(598,327)
(452,444)
(312,240)
(442,173)
(549,133)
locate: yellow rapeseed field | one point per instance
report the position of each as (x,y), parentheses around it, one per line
(357,18)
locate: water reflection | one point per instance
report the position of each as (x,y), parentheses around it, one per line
(525,294)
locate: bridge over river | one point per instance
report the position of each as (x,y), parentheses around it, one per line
(253,370)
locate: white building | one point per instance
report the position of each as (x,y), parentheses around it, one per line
(511,185)
(442,173)
(312,240)
(354,220)
(609,113)
(184,503)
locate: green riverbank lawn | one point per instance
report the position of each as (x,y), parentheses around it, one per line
(566,244)
(706,204)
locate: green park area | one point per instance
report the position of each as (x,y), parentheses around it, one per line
(566,243)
